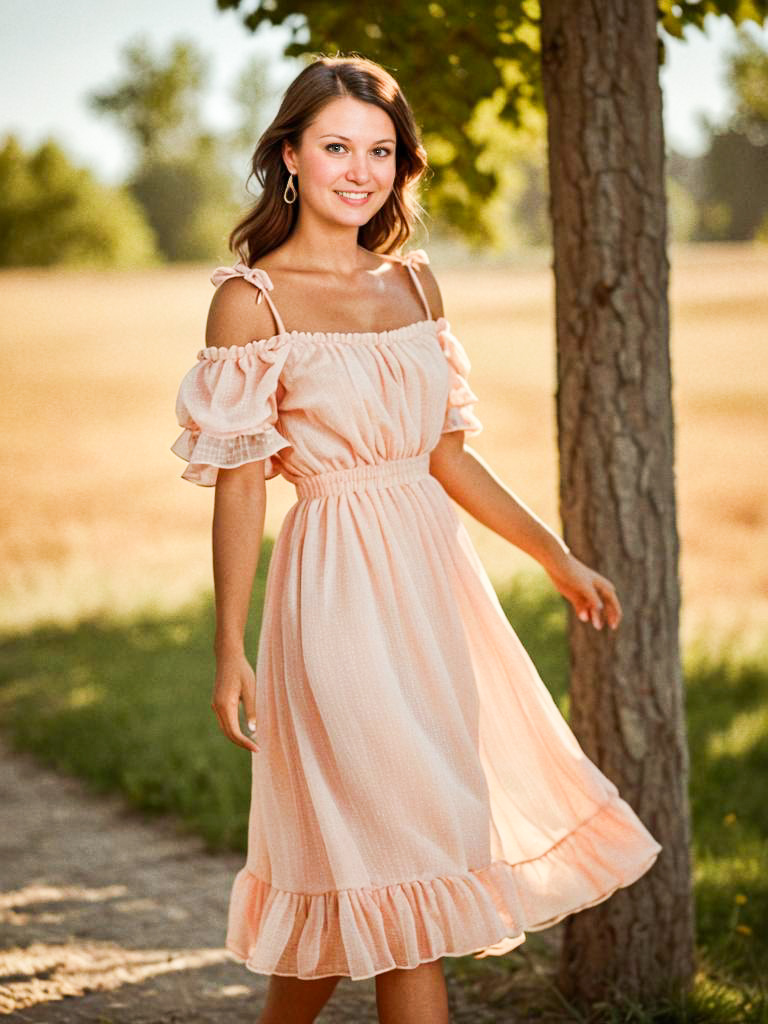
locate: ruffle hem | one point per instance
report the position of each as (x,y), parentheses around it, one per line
(358,933)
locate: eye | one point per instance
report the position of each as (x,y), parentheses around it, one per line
(381,151)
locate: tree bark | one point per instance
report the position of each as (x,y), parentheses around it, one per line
(617,485)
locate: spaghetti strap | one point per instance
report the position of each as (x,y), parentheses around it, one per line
(257,277)
(417,256)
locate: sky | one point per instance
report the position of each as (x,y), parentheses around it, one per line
(53,53)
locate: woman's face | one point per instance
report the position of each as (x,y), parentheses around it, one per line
(345,163)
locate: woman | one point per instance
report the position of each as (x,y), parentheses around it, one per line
(416,793)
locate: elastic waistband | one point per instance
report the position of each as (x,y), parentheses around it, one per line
(363,478)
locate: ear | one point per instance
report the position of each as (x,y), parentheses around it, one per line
(288,157)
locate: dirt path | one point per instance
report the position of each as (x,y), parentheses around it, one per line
(108,917)
(112,918)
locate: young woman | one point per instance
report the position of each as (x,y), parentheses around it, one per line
(416,792)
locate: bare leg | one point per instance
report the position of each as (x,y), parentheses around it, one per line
(415,995)
(296,1000)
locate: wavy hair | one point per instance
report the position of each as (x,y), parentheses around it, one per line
(270,220)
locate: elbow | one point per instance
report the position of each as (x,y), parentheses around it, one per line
(446,459)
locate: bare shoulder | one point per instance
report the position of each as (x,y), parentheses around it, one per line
(235,315)
(431,289)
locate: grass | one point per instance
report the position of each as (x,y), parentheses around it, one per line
(124,703)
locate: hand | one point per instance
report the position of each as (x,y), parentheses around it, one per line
(235,681)
(592,595)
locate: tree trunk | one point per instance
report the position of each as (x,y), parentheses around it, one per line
(617,486)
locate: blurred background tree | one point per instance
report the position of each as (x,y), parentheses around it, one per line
(184,192)
(52,212)
(722,195)
(181,177)
(487,187)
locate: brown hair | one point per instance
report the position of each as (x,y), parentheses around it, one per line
(271,220)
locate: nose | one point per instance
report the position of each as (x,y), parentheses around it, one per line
(357,170)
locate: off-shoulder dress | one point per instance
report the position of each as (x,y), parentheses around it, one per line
(418,793)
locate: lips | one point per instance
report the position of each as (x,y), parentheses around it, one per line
(355,198)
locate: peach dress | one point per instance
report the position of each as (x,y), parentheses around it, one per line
(418,793)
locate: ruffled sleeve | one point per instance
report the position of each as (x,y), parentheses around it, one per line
(460,412)
(227,405)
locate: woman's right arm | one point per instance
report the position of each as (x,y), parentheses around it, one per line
(239,511)
(238,525)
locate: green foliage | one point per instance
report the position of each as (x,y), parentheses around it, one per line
(126,705)
(729,183)
(516,214)
(735,197)
(472,73)
(674,15)
(182,177)
(447,57)
(253,92)
(157,102)
(736,166)
(52,212)
(682,211)
(747,77)
(189,201)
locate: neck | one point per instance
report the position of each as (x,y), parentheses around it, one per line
(327,248)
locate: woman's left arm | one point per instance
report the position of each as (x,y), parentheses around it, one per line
(467,478)
(474,486)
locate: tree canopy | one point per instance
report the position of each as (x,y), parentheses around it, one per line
(52,212)
(470,70)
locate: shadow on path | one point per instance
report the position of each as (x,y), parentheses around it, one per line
(106,917)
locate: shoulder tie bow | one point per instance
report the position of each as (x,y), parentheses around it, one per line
(259,278)
(416,256)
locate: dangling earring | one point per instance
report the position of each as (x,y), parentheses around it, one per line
(289,185)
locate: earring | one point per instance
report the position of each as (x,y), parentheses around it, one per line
(290,185)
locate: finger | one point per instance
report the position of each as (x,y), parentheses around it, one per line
(594,607)
(230,726)
(612,604)
(606,607)
(250,728)
(249,707)
(583,606)
(219,719)
(235,735)
(613,612)
(234,732)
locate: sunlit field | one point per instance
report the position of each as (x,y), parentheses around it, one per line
(95,517)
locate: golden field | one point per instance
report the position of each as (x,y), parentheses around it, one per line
(95,517)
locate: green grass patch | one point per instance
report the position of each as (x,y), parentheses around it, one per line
(125,704)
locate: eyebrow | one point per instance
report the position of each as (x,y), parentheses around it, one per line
(335,135)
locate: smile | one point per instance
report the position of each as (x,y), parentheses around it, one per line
(357,198)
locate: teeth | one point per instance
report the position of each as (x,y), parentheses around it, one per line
(353,195)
